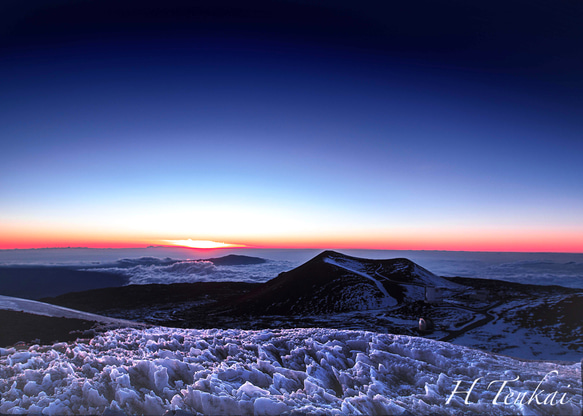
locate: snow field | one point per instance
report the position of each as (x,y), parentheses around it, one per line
(357,268)
(271,372)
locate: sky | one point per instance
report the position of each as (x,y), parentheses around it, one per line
(422,125)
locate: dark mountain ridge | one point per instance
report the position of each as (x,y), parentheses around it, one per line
(156,294)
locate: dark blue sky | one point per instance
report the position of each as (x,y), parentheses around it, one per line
(379,124)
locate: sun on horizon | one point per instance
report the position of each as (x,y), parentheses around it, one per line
(202,244)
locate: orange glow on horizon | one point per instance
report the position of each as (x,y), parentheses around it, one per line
(500,240)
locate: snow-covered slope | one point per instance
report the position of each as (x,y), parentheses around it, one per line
(44,309)
(413,273)
(275,371)
(315,287)
(358,269)
(333,282)
(399,280)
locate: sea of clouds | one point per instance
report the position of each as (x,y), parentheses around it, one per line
(537,272)
(146,270)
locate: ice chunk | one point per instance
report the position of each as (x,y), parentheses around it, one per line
(267,406)
(251,390)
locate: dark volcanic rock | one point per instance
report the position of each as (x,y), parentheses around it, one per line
(139,296)
(26,327)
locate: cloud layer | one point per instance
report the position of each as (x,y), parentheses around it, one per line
(148,270)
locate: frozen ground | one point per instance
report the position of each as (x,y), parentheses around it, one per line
(324,371)
(518,330)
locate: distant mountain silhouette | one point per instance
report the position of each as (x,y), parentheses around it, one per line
(235,260)
(333,282)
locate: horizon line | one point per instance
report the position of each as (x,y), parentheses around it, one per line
(283,248)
